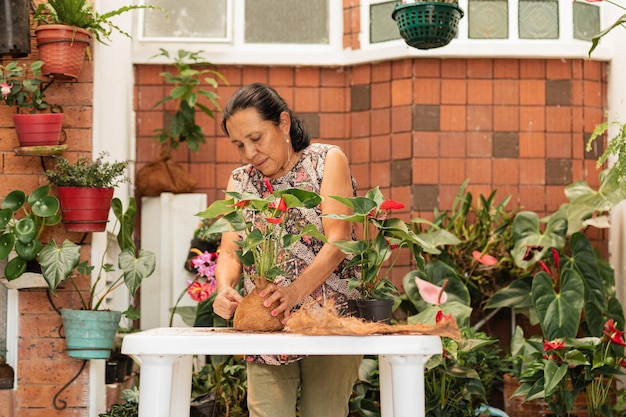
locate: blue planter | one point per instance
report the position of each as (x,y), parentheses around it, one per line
(90,334)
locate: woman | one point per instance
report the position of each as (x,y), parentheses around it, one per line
(273,144)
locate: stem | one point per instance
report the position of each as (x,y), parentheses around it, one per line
(615,4)
(180,297)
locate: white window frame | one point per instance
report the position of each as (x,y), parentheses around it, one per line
(235,51)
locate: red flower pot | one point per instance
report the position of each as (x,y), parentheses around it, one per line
(85,209)
(62,48)
(38,129)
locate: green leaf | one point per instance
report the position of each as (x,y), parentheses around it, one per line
(559,314)
(28,251)
(57,263)
(47,206)
(7,242)
(136,269)
(5,217)
(527,233)
(25,230)
(14,200)
(516,296)
(15,268)
(553,374)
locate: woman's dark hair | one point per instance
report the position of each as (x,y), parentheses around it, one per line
(269,105)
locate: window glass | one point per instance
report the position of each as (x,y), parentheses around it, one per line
(186,19)
(488,19)
(538,19)
(586,20)
(287,21)
(382,26)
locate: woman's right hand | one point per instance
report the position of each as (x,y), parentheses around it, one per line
(226,302)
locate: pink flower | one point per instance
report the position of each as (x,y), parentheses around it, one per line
(391,205)
(5,90)
(484,258)
(204,264)
(200,291)
(430,292)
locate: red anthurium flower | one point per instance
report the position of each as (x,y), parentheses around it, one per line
(442,317)
(391,205)
(555,257)
(278,204)
(484,258)
(274,220)
(622,363)
(200,291)
(241,203)
(555,344)
(266,181)
(544,267)
(616,335)
(430,292)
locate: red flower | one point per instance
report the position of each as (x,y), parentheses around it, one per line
(274,220)
(544,267)
(555,344)
(613,333)
(391,205)
(278,204)
(442,317)
(199,291)
(266,181)
(484,258)
(241,204)
(555,256)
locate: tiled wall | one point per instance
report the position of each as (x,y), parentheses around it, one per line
(419,127)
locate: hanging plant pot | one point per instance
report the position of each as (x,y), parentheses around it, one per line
(375,310)
(62,48)
(89,334)
(85,209)
(426,24)
(38,129)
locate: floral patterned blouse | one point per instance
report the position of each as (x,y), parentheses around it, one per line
(307,174)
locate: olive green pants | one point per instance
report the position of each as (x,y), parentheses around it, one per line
(323,385)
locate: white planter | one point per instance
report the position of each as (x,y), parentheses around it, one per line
(27,280)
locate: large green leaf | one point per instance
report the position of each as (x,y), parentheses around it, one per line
(516,296)
(57,263)
(527,235)
(25,230)
(15,268)
(553,375)
(47,206)
(558,313)
(7,242)
(28,251)
(136,269)
(14,200)
(5,216)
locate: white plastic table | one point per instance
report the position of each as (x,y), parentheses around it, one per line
(165,356)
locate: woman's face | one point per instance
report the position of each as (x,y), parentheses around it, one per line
(260,143)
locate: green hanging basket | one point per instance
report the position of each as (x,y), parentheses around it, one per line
(426,25)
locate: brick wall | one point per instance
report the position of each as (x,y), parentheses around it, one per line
(43,367)
(419,127)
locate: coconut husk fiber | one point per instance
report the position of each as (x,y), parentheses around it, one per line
(326,321)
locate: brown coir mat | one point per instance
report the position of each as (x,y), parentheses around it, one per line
(327,322)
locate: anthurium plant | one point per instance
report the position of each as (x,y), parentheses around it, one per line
(262,222)
(22,221)
(381,236)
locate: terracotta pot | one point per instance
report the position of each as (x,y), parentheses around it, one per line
(85,209)
(62,48)
(38,129)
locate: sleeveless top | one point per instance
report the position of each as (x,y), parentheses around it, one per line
(307,174)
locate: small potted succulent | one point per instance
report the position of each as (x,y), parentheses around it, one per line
(85,188)
(36,122)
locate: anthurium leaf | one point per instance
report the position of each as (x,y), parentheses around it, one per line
(136,269)
(527,234)
(7,242)
(126,221)
(15,268)
(359,205)
(218,208)
(301,198)
(583,260)
(47,206)
(559,314)
(25,230)
(253,239)
(5,216)
(516,296)
(553,374)
(351,246)
(14,200)
(376,195)
(231,222)
(28,251)
(57,263)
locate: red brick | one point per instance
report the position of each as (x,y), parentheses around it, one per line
(480,68)
(532,92)
(451,171)
(380,174)
(506,118)
(479,144)
(381,72)
(479,92)
(360,124)
(381,148)
(555,197)
(307,77)
(333,77)
(592,70)
(332,125)
(41,396)
(480,118)
(593,93)
(427,68)
(380,95)
(360,150)
(381,121)
(532,118)
(333,99)
(402,119)
(452,144)
(401,146)
(361,74)
(506,92)
(558,69)
(453,118)
(532,197)
(507,172)
(506,68)
(426,144)
(532,145)
(401,92)
(479,170)
(558,119)
(558,145)
(427,91)
(281,76)
(307,100)
(425,171)
(454,68)
(401,69)
(453,91)
(532,171)
(255,74)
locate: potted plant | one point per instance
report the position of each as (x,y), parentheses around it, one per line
(64,31)
(90,331)
(380,237)
(580,350)
(260,221)
(22,87)
(23,219)
(85,189)
(165,174)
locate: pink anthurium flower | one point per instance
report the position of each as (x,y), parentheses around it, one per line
(5,89)
(484,258)
(430,292)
